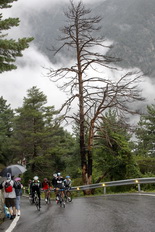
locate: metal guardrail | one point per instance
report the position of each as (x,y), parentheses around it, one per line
(104,185)
(138,181)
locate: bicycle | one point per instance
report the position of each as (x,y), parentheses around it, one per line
(30,199)
(36,201)
(47,196)
(68,195)
(60,197)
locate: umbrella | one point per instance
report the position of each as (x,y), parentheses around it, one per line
(14,170)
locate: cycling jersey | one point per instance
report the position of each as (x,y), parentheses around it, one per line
(35,186)
(45,185)
(60,183)
(67,183)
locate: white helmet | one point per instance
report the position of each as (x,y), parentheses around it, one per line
(35,178)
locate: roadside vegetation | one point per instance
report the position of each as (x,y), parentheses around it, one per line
(101,146)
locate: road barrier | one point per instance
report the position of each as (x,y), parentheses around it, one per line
(104,185)
(137,181)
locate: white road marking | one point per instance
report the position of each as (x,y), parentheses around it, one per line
(13,224)
(152,195)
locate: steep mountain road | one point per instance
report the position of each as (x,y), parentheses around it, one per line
(110,213)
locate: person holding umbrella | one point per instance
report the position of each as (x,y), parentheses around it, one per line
(8,186)
(10,195)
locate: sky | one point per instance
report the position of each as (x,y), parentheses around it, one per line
(30,72)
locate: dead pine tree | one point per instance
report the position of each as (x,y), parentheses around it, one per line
(84,80)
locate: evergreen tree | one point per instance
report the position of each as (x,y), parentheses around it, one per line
(39,138)
(113,157)
(6,131)
(145,133)
(29,126)
(84,80)
(10,48)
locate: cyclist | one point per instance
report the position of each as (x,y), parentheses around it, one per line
(46,187)
(54,180)
(35,186)
(67,182)
(59,185)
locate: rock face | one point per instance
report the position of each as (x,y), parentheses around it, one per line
(2,215)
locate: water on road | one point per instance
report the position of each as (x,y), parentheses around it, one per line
(111,213)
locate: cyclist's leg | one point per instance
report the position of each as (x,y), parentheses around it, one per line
(38,193)
(69,196)
(48,194)
(32,196)
(63,193)
(57,193)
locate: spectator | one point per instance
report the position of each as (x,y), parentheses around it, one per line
(18,191)
(10,195)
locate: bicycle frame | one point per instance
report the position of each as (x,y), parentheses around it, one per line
(47,195)
(68,195)
(61,197)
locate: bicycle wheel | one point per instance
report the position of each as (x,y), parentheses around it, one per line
(48,200)
(30,199)
(37,205)
(68,196)
(62,203)
(36,200)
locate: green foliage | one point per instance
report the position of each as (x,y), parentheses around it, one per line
(113,157)
(6,132)
(47,147)
(10,48)
(146,165)
(145,133)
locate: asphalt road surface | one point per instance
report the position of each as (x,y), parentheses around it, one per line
(111,213)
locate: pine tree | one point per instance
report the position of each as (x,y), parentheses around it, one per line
(145,133)
(113,157)
(85,81)
(6,131)
(10,48)
(38,138)
(29,125)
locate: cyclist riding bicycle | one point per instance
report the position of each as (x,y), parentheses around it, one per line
(54,180)
(67,182)
(35,186)
(59,185)
(46,188)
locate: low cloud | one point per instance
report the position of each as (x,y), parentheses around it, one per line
(30,72)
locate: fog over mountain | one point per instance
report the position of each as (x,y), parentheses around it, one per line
(129,24)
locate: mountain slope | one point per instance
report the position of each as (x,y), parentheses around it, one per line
(130,24)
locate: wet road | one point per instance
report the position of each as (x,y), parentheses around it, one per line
(112,213)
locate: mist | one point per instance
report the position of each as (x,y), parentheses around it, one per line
(31,72)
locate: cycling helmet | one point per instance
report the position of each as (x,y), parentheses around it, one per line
(55,175)
(67,177)
(35,178)
(58,174)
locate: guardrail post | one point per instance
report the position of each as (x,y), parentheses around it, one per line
(104,190)
(139,188)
